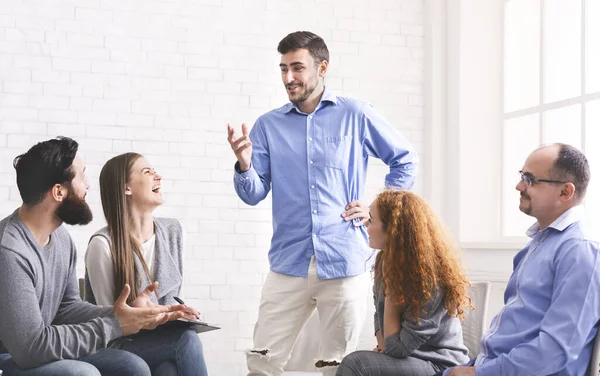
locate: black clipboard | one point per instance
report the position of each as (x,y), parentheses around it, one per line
(198,325)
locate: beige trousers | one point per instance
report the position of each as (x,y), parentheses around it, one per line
(286,305)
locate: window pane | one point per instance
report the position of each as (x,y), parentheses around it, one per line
(592,151)
(563,125)
(521,54)
(562,49)
(521,137)
(592,41)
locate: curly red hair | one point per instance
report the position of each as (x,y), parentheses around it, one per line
(419,257)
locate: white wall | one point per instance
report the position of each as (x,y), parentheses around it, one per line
(163,78)
(463,94)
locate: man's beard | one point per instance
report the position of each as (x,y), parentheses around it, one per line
(306,92)
(74,210)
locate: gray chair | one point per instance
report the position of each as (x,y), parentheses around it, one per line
(82,288)
(594,368)
(474,324)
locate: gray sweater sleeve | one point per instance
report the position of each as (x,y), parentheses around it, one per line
(22,329)
(72,310)
(412,335)
(376,326)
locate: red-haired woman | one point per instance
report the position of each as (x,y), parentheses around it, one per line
(420,293)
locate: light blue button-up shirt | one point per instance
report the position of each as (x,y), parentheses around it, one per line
(552,305)
(316,164)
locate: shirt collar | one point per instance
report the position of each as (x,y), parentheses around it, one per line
(574,214)
(328,96)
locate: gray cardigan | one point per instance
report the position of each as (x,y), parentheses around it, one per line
(168,261)
(436,338)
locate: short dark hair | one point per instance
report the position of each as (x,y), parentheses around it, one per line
(47,163)
(572,165)
(305,39)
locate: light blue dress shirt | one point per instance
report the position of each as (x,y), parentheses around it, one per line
(316,164)
(552,305)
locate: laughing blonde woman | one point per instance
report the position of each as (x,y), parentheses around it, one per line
(136,248)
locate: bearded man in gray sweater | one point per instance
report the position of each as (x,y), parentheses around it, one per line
(45,328)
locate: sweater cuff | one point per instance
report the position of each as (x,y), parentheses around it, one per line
(112,327)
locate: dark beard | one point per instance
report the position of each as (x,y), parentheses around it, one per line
(74,210)
(304,95)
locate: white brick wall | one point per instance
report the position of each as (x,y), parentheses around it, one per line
(163,78)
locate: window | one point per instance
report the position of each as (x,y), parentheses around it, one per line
(551,91)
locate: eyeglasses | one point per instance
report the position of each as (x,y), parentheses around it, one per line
(530,180)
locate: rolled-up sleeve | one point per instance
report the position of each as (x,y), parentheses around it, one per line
(376,326)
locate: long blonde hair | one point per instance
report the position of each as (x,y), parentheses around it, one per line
(123,246)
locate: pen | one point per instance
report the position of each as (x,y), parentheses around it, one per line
(179,300)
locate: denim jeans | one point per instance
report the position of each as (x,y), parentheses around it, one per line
(170,350)
(105,362)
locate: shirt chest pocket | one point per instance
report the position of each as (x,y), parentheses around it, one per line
(338,152)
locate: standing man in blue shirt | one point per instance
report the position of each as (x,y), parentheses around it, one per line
(313,154)
(552,301)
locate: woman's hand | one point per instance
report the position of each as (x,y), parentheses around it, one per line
(190,313)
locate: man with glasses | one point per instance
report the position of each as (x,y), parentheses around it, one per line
(552,301)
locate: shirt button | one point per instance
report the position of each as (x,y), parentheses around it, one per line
(311,162)
(312,187)
(314,211)
(310,116)
(314,236)
(310,139)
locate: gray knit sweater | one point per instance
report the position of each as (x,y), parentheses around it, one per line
(42,318)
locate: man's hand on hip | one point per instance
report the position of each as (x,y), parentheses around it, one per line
(356,210)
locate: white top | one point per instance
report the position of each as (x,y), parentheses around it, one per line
(99,266)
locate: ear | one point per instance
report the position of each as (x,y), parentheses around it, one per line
(58,192)
(567,192)
(128,191)
(323,68)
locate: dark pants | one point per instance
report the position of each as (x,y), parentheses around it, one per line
(105,362)
(370,363)
(169,350)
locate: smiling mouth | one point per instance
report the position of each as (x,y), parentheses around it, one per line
(156,189)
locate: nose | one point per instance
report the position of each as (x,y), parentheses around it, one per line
(288,77)
(157,176)
(521,186)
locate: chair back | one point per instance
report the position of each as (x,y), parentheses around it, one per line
(474,324)
(82,288)
(594,368)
